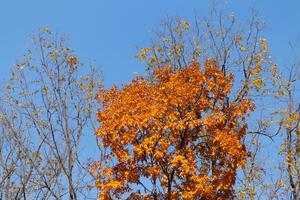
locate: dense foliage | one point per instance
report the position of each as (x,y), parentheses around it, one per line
(176,136)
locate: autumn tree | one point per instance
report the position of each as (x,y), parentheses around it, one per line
(240,48)
(176,137)
(237,49)
(286,93)
(46,113)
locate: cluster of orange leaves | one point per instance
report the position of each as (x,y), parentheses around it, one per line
(177,136)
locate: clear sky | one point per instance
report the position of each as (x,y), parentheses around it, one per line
(111,31)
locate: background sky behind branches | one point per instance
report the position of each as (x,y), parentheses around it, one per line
(111,31)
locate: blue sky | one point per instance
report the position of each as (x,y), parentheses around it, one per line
(110,32)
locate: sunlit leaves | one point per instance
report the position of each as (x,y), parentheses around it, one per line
(177,131)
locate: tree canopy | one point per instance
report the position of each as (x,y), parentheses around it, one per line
(176,136)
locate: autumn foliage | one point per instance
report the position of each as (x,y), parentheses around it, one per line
(174,137)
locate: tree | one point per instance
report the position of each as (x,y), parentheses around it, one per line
(47,108)
(239,48)
(176,136)
(286,93)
